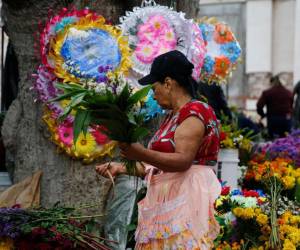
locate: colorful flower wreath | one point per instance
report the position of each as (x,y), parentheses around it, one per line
(154,30)
(223,50)
(77,46)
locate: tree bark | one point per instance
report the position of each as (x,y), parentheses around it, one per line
(25,135)
(190,7)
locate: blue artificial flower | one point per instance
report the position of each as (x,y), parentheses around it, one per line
(207,31)
(151,107)
(84,51)
(236,192)
(231,50)
(260,192)
(209,64)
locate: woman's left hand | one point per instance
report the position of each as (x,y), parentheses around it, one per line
(133,151)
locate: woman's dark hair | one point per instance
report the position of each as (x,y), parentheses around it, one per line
(187,82)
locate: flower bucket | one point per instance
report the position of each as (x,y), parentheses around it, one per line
(227,167)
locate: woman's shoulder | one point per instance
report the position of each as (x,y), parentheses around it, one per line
(197,108)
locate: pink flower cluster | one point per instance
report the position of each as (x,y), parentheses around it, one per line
(156,36)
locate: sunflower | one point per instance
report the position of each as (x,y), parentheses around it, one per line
(85,144)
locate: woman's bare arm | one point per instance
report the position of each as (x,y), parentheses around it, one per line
(188,137)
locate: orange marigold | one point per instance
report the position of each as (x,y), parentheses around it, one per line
(223,34)
(222,65)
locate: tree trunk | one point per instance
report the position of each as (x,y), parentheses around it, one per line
(190,7)
(25,135)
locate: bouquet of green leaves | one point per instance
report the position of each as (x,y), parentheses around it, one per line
(113,104)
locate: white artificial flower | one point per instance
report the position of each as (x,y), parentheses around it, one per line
(78,33)
(244,201)
(100,88)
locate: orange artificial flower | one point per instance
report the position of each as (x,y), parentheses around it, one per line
(223,34)
(222,65)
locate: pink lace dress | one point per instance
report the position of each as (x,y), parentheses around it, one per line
(178,212)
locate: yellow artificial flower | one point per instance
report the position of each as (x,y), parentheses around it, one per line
(85,145)
(295,219)
(288,245)
(295,236)
(288,182)
(238,211)
(297,173)
(248,213)
(262,219)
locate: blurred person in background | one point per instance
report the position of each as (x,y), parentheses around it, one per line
(296,108)
(214,95)
(279,103)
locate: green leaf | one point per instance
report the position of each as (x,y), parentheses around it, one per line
(122,99)
(131,227)
(64,96)
(139,95)
(131,118)
(138,133)
(79,122)
(115,129)
(87,122)
(69,86)
(76,99)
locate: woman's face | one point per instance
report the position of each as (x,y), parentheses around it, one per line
(162,94)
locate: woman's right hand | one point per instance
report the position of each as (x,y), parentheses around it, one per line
(113,168)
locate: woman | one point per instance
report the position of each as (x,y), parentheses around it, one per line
(177,212)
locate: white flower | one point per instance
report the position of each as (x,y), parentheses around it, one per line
(245,201)
(100,88)
(78,33)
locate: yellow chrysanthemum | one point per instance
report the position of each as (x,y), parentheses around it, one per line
(85,145)
(288,245)
(262,219)
(295,219)
(238,211)
(288,182)
(295,236)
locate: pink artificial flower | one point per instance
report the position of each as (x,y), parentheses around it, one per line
(170,37)
(145,52)
(146,33)
(65,134)
(159,24)
(164,47)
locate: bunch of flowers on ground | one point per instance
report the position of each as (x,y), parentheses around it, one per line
(54,228)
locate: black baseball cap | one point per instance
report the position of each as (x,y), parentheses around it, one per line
(173,64)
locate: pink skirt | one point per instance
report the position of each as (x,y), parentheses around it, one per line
(178,211)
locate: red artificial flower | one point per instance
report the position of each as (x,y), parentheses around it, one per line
(100,137)
(16,206)
(225,190)
(250,193)
(223,136)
